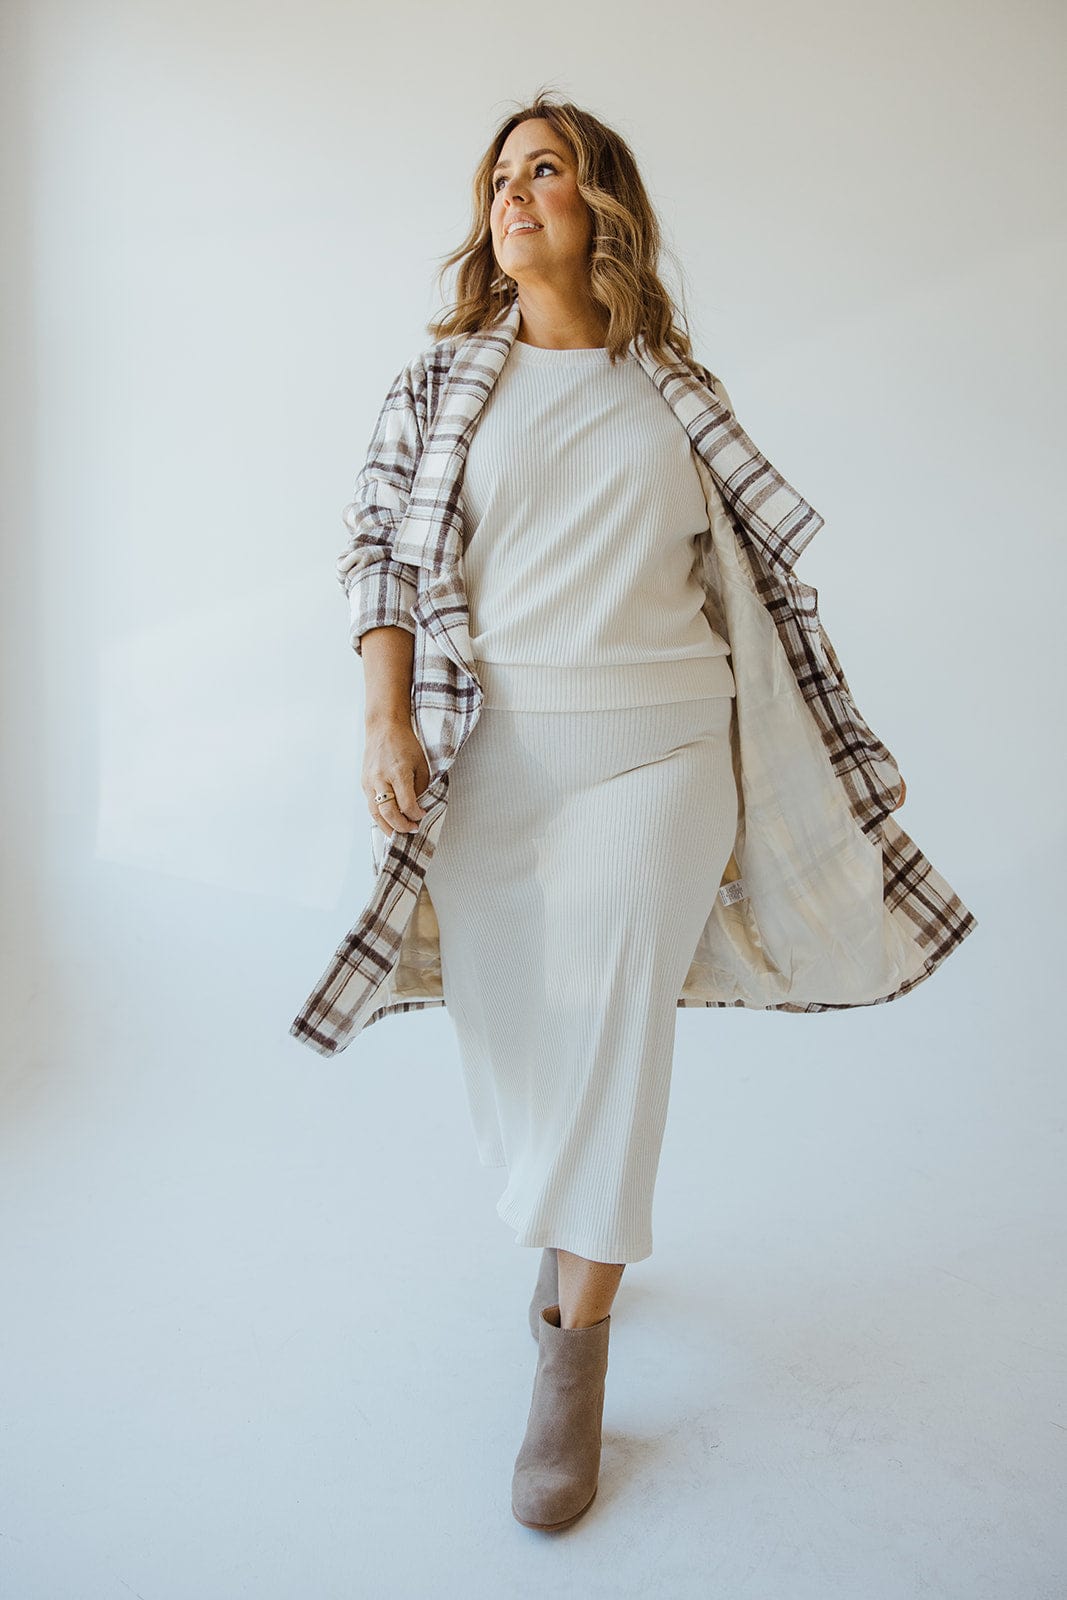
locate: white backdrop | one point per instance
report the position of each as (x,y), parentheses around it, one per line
(264,1332)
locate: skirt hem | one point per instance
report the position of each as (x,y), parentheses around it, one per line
(546,1237)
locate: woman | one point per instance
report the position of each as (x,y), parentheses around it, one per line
(606,718)
(593,804)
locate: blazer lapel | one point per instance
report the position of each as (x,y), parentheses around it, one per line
(431,532)
(774,515)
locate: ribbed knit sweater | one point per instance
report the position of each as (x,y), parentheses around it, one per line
(582,507)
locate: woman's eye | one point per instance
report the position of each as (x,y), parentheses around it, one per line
(498,181)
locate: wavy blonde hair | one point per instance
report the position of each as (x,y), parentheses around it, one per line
(627,240)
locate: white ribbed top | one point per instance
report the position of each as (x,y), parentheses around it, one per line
(582,507)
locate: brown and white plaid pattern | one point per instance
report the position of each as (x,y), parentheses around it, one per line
(402,566)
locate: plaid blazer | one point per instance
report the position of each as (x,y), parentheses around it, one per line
(826,903)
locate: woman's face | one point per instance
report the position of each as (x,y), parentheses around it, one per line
(536,179)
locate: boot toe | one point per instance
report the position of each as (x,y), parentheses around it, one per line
(549,1501)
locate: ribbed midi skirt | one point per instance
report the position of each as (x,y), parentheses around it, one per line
(578,862)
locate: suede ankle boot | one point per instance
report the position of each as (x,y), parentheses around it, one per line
(558,1466)
(546,1290)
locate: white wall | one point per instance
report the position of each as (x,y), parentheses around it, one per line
(259,1304)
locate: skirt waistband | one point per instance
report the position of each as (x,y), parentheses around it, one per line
(536,687)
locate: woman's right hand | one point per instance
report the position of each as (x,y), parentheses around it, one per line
(394,761)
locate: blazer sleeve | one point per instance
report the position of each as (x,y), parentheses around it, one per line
(381,591)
